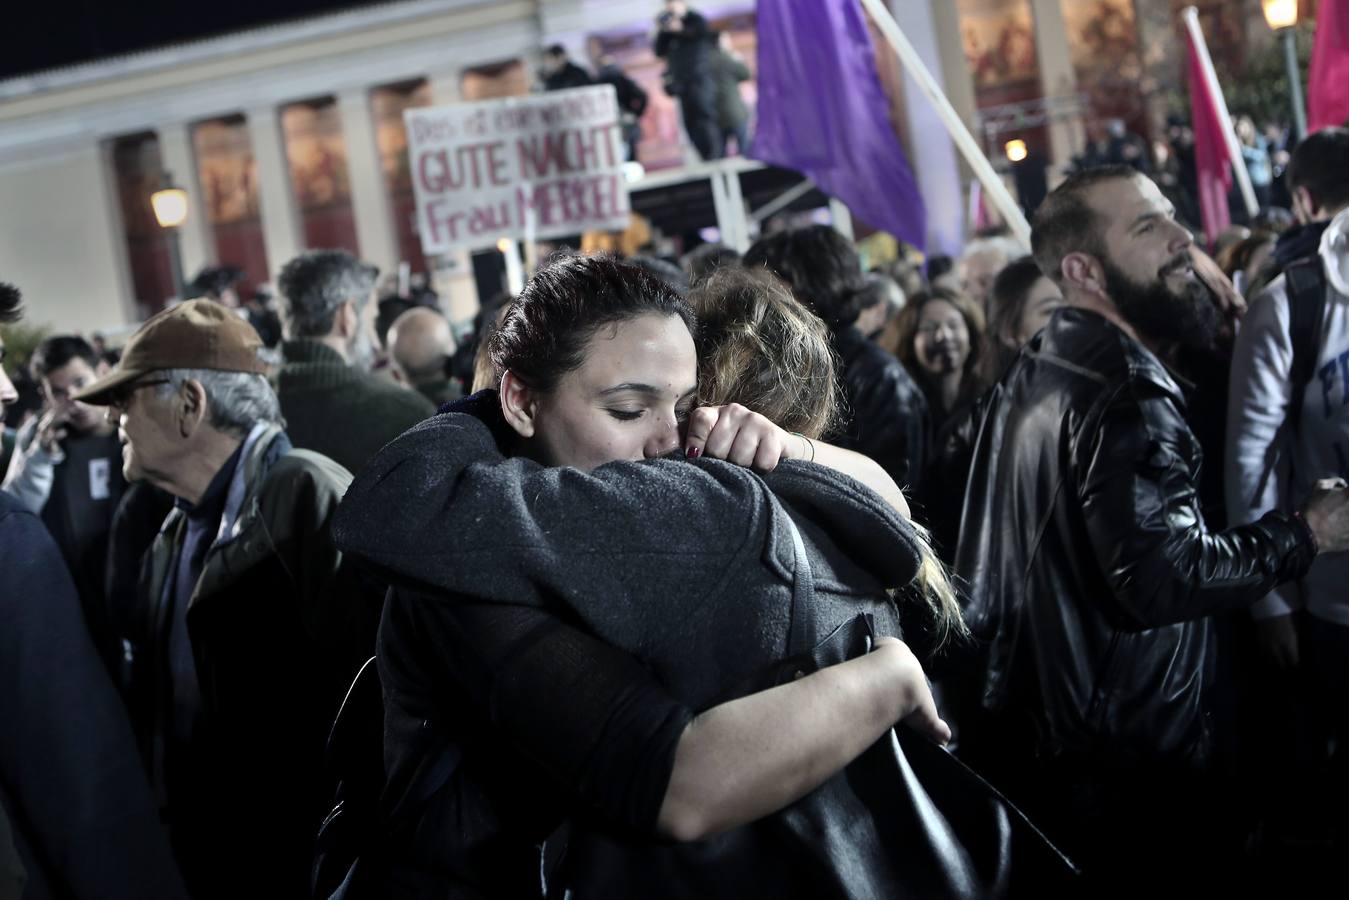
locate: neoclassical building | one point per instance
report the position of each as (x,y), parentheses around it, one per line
(291,136)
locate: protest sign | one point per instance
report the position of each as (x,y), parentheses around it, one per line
(523,167)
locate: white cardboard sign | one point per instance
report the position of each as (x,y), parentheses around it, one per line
(531,167)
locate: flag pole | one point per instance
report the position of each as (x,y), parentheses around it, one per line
(1191,16)
(983,169)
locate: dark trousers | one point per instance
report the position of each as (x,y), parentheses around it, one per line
(698,103)
(741,134)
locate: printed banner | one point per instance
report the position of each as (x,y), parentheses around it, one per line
(541,166)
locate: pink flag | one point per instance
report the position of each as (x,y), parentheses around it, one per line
(1210,149)
(1328,82)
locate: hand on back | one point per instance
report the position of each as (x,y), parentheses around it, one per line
(739,435)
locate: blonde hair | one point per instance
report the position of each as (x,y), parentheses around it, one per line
(762,348)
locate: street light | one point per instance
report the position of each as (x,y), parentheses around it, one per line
(1280,13)
(1282,17)
(170,206)
(1016,150)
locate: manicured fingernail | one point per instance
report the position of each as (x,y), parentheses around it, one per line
(693,452)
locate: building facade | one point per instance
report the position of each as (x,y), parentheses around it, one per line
(291,136)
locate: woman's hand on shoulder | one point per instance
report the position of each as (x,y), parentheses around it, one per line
(739,435)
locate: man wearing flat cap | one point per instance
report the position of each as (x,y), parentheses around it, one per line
(249,627)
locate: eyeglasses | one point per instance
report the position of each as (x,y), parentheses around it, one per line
(120,396)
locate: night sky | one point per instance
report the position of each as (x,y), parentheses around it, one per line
(46,34)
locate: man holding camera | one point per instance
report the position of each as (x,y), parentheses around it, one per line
(685,43)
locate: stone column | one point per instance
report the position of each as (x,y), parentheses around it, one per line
(281,232)
(196,242)
(123,306)
(369,195)
(1057,79)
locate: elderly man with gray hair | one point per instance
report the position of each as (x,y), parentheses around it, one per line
(333,403)
(980,264)
(249,626)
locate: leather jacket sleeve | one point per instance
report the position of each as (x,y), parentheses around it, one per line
(1137,493)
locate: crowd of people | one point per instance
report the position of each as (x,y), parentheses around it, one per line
(1170,160)
(652,563)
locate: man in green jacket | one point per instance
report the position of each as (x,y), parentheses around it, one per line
(332,403)
(250,625)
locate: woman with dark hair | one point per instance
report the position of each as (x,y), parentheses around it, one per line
(588,616)
(939,336)
(1021,302)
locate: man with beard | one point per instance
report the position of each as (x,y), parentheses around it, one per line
(331,402)
(1092,574)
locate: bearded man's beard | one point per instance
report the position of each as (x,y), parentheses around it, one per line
(1190,318)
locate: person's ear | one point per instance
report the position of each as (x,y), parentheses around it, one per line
(1304,203)
(347,320)
(190,407)
(519,404)
(1084,272)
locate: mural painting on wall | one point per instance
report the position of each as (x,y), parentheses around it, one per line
(1103,45)
(227,170)
(317,154)
(999,43)
(139,170)
(662,141)
(139,173)
(227,173)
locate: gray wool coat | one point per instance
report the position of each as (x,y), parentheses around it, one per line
(685,567)
(685,564)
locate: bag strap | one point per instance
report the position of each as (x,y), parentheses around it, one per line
(801,637)
(1306,283)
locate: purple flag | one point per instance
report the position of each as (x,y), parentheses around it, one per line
(824,113)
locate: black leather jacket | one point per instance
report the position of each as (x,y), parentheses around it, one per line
(886,412)
(1090,570)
